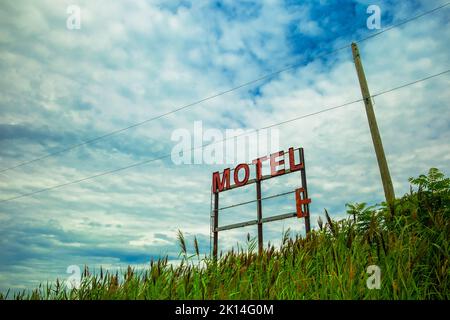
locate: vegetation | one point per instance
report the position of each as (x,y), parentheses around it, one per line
(409,243)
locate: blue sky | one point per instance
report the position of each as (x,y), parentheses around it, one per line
(131,61)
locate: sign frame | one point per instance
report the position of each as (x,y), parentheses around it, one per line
(301,194)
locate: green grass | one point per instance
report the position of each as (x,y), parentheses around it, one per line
(409,242)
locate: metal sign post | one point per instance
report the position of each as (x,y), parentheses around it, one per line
(221,184)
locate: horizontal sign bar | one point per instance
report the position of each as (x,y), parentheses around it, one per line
(238,225)
(280,217)
(253,222)
(250,181)
(251,201)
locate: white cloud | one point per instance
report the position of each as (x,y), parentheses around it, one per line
(132,61)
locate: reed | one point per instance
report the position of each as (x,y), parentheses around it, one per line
(411,247)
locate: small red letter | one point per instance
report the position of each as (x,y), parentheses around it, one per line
(292,166)
(299,202)
(258,162)
(221,185)
(236,174)
(274,163)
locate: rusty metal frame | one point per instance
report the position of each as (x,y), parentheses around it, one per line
(302,206)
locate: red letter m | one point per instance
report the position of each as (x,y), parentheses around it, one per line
(221,184)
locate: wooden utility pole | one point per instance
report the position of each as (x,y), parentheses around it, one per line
(378,145)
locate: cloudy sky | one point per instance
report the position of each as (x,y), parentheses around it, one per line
(134,60)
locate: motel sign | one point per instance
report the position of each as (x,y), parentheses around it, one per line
(281,163)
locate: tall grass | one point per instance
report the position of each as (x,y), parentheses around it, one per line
(410,245)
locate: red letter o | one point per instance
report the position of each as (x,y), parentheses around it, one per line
(236,174)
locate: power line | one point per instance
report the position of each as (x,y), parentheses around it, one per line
(215,142)
(404,22)
(264,77)
(109,134)
(410,83)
